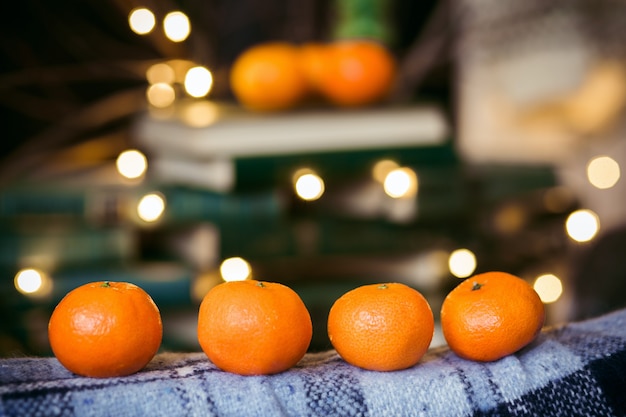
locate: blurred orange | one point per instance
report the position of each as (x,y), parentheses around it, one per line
(356,72)
(313,62)
(268,77)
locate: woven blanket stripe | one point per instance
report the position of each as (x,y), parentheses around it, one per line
(576,369)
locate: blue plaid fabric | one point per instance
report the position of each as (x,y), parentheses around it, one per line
(578,369)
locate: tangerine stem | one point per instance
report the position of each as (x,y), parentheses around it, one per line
(382,287)
(476,286)
(260,284)
(105,284)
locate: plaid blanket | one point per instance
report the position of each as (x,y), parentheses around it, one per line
(574,369)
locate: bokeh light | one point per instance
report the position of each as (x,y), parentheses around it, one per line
(582,225)
(131,164)
(462,263)
(161,95)
(141,20)
(198,82)
(151,207)
(200,113)
(176,26)
(161,73)
(549,288)
(603,172)
(382,168)
(401,183)
(33,282)
(558,199)
(235,269)
(308,185)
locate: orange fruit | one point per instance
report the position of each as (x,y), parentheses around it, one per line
(105,329)
(312,57)
(268,77)
(381,327)
(357,72)
(254,328)
(490,316)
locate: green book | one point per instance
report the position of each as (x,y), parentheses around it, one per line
(118,205)
(64,245)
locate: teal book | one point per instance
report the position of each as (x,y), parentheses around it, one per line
(118,205)
(65,245)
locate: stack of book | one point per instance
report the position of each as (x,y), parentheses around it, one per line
(225,147)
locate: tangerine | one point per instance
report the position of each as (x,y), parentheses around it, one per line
(357,72)
(105,329)
(490,316)
(313,62)
(254,328)
(268,77)
(381,327)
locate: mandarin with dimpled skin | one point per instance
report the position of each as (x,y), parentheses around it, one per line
(490,316)
(105,329)
(254,328)
(381,327)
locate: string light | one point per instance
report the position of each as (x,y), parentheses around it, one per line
(582,225)
(462,263)
(33,282)
(161,95)
(141,21)
(151,207)
(161,73)
(308,185)
(176,26)
(401,183)
(382,168)
(199,114)
(549,288)
(603,172)
(131,164)
(235,269)
(198,82)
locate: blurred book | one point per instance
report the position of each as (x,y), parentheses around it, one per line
(118,205)
(216,146)
(229,131)
(53,245)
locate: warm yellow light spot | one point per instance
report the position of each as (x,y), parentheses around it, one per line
(131,163)
(198,82)
(180,67)
(401,183)
(176,26)
(161,73)
(549,288)
(582,225)
(199,113)
(151,207)
(462,263)
(235,269)
(603,172)
(141,21)
(161,95)
(382,168)
(558,199)
(510,218)
(33,282)
(308,185)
